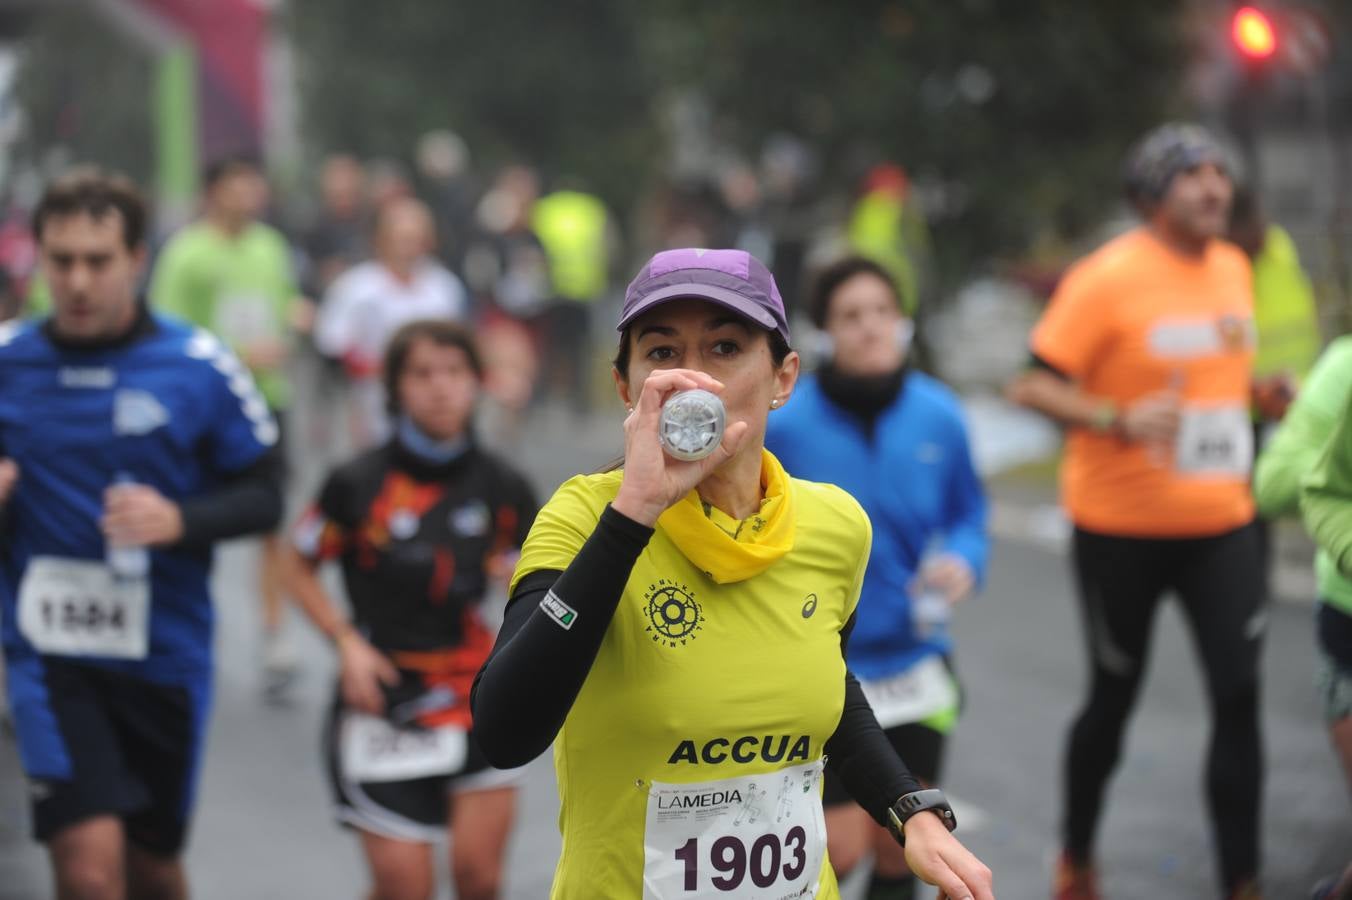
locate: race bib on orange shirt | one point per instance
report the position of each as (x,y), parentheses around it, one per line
(1215,442)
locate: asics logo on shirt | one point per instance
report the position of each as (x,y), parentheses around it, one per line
(809,606)
(749,748)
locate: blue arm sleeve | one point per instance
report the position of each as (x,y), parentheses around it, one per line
(966,507)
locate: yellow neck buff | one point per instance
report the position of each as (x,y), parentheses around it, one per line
(764,537)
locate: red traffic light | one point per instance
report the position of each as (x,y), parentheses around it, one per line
(1253,33)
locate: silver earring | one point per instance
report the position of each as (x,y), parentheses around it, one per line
(774,404)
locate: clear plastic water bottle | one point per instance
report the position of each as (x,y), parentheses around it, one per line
(128,561)
(930,609)
(692,424)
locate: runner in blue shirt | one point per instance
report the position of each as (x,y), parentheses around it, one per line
(129,444)
(894,438)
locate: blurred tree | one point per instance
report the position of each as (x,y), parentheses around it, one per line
(85,90)
(1013,115)
(557,85)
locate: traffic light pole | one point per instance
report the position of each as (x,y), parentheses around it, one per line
(1243,120)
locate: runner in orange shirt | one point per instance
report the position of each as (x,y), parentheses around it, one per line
(1144,355)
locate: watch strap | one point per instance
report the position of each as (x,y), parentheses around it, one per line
(908,805)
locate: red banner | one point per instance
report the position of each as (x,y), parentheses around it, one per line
(229,37)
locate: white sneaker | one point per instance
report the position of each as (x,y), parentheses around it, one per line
(280,667)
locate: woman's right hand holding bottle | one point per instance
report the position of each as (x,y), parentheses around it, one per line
(653,480)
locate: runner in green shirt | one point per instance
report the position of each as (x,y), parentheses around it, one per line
(1309,463)
(1295,448)
(232,274)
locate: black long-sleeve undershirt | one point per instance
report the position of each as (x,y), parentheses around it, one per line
(526,688)
(247,502)
(861,755)
(524,692)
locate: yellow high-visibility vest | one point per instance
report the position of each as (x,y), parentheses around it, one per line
(878,230)
(1285,315)
(572,228)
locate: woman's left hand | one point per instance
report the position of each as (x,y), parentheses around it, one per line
(950,575)
(938,858)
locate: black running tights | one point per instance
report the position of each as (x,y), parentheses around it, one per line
(1219,582)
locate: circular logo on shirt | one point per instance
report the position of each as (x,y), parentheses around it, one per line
(809,606)
(673,615)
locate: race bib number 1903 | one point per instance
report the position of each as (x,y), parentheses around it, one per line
(758,836)
(76,607)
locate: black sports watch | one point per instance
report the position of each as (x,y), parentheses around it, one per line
(908,805)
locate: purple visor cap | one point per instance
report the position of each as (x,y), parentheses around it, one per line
(731,278)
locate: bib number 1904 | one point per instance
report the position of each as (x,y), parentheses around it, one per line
(765,861)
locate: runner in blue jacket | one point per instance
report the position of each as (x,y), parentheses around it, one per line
(894,438)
